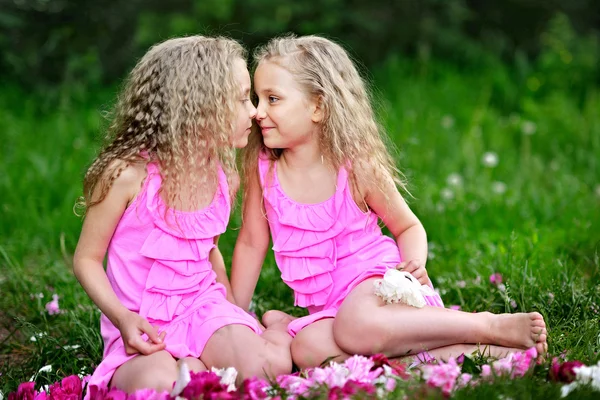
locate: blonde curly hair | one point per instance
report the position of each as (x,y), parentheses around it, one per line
(177,108)
(350,135)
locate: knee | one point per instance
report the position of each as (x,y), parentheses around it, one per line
(160,379)
(309,352)
(360,335)
(274,362)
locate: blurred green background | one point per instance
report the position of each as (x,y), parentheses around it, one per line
(494,107)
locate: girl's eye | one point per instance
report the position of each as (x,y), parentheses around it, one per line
(272,99)
(245,100)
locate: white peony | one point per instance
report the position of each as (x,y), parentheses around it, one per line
(401,287)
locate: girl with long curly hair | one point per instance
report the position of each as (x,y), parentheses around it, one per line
(157,197)
(318,178)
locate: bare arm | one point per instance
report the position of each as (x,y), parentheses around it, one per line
(251,246)
(97,231)
(218,265)
(401,221)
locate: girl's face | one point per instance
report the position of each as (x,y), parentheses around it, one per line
(287,116)
(245,109)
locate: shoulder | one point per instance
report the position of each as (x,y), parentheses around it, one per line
(122,179)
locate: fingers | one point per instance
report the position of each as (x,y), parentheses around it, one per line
(410,266)
(151,331)
(138,345)
(416,268)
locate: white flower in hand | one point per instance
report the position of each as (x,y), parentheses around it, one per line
(401,287)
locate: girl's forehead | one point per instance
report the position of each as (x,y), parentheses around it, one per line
(272,72)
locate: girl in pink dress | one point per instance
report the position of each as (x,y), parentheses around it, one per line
(157,198)
(318,179)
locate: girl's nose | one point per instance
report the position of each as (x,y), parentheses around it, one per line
(260,113)
(252,111)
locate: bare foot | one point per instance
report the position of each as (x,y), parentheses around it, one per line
(276,317)
(522,330)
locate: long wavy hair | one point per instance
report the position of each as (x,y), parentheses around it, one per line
(350,135)
(177,108)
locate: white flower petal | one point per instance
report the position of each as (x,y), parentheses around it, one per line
(183,379)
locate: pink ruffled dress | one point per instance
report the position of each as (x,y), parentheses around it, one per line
(161,270)
(325,250)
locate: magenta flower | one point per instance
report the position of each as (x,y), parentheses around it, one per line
(361,369)
(254,389)
(96,393)
(115,394)
(563,372)
(67,389)
(25,391)
(293,383)
(442,375)
(496,279)
(205,385)
(148,394)
(351,388)
(379,360)
(52,306)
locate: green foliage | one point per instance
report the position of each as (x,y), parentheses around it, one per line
(54,42)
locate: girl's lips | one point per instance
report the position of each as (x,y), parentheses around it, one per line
(266,129)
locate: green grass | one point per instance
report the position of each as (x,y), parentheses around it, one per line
(533,217)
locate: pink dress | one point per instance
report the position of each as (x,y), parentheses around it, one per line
(325,250)
(161,270)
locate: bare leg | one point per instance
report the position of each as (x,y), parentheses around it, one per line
(157,371)
(314,344)
(265,356)
(365,325)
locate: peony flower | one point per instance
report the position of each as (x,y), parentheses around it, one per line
(442,375)
(496,278)
(255,389)
(25,391)
(563,372)
(52,306)
(67,389)
(205,385)
(114,394)
(401,287)
(227,375)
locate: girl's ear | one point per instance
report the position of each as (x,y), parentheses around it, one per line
(318,112)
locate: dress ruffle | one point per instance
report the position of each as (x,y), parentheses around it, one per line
(200,224)
(305,247)
(181,271)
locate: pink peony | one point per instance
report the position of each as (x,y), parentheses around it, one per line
(442,375)
(114,394)
(254,389)
(25,391)
(496,278)
(361,369)
(67,389)
(563,372)
(52,306)
(351,388)
(379,360)
(293,383)
(96,393)
(205,385)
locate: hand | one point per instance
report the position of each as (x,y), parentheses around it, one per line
(132,326)
(417,269)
